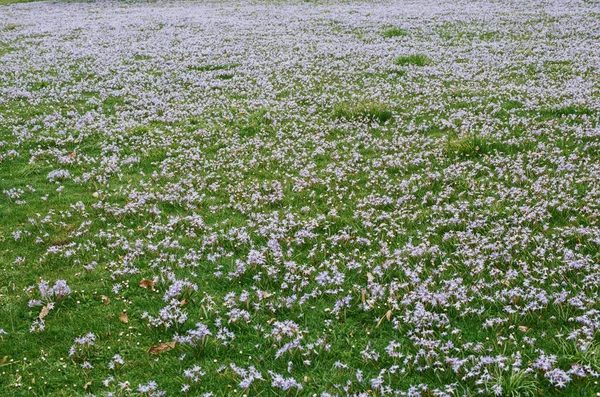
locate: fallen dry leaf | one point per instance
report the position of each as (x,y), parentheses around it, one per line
(387,315)
(123,318)
(44,312)
(523,328)
(85,387)
(105,299)
(161,348)
(148,284)
(370,277)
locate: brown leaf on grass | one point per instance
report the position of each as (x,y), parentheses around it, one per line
(523,328)
(105,299)
(44,312)
(85,387)
(183,302)
(161,348)
(3,362)
(123,318)
(147,284)
(370,277)
(387,315)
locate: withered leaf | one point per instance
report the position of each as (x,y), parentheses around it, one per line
(85,387)
(148,284)
(123,318)
(44,312)
(161,348)
(105,299)
(387,315)
(370,277)
(523,328)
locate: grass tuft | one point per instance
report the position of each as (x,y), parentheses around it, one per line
(225,76)
(211,68)
(395,32)
(413,59)
(466,147)
(511,104)
(558,112)
(374,112)
(517,384)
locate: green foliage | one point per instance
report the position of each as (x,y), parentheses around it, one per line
(558,112)
(371,111)
(212,68)
(413,59)
(517,384)
(394,32)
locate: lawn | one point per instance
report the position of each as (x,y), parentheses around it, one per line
(290,198)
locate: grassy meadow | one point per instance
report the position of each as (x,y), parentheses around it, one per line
(292,198)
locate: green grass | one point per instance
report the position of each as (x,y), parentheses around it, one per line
(225,76)
(211,68)
(374,112)
(7,2)
(559,112)
(394,32)
(341,144)
(413,59)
